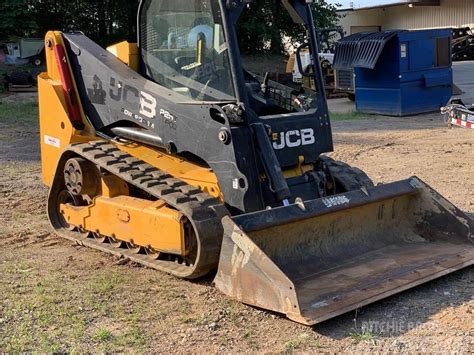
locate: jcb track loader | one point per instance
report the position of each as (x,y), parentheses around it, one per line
(169,153)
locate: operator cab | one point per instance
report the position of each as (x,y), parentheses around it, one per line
(184,48)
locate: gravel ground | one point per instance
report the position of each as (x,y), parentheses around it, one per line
(58,297)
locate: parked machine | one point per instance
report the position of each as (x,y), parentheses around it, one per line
(327,40)
(463,44)
(28,50)
(169,153)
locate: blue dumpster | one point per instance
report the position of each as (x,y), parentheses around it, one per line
(399,73)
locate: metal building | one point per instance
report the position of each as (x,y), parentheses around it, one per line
(376,15)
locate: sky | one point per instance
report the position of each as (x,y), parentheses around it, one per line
(364,3)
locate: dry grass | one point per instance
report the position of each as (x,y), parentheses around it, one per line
(18,113)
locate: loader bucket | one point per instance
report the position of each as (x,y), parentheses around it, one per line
(320,259)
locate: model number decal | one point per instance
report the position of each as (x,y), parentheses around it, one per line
(170,119)
(336,201)
(294,138)
(138,118)
(53,142)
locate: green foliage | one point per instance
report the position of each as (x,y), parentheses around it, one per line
(363,336)
(262,28)
(266,23)
(16,18)
(103,335)
(19,113)
(105,21)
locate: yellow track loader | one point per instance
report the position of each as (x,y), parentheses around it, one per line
(169,153)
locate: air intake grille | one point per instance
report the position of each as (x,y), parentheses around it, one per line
(345,80)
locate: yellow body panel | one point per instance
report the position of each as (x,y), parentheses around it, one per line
(298,170)
(140,222)
(113,186)
(55,38)
(56,131)
(126,52)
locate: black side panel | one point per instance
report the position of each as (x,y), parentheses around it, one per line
(114,95)
(306,134)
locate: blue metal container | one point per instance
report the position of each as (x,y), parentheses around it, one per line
(400,73)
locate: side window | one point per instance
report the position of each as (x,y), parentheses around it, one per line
(184,49)
(442,52)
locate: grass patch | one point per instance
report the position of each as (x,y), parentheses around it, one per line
(103,335)
(105,283)
(292,345)
(233,311)
(19,113)
(38,316)
(6,138)
(367,336)
(250,338)
(186,319)
(46,310)
(348,116)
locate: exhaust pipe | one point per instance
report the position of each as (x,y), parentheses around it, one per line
(139,135)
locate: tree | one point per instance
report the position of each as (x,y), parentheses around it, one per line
(104,21)
(266,23)
(262,27)
(16,19)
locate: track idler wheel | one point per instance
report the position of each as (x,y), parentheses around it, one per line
(81,177)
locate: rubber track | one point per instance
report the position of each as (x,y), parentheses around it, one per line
(202,210)
(351,178)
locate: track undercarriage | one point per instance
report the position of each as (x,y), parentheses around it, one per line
(197,214)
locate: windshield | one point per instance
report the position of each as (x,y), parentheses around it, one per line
(273,80)
(184,49)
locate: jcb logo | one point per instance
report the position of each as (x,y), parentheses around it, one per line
(293,139)
(146,102)
(147,105)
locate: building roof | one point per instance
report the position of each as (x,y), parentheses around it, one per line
(368,4)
